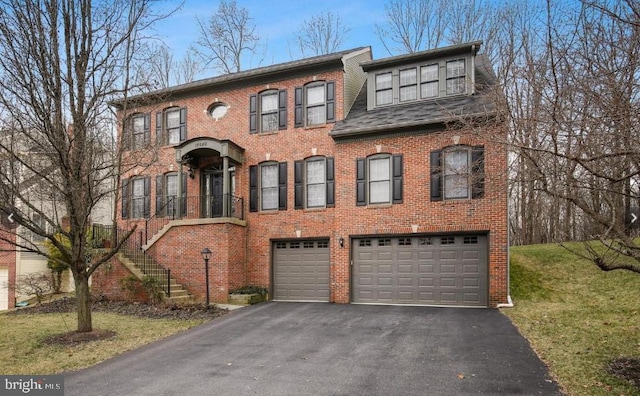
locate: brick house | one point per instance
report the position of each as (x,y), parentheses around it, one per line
(334,178)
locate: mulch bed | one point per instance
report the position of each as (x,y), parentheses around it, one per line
(626,368)
(74,338)
(143,310)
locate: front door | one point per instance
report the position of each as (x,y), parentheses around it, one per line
(212,194)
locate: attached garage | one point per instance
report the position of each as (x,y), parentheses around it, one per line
(4,289)
(421,270)
(301,270)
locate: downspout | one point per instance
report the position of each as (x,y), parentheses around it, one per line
(473,69)
(509,303)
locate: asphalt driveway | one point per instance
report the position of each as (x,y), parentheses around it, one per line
(329,349)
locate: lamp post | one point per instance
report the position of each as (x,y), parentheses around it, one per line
(206,255)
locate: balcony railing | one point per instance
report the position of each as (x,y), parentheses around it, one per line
(194,207)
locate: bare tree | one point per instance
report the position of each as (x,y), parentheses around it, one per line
(163,70)
(413,25)
(35,284)
(225,37)
(321,34)
(61,64)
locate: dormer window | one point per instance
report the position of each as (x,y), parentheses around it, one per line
(456,77)
(429,86)
(408,84)
(384,89)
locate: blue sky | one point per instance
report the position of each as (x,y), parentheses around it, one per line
(276,23)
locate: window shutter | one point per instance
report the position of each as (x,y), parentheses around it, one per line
(125,198)
(298,198)
(253,188)
(436,175)
(253,114)
(397,178)
(127,135)
(282,109)
(477,172)
(331,195)
(299,115)
(183,124)
(331,101)
(361,182)
(147,197)
(159,196)
(282,186)
(183,198)
(147,128)
(159,139)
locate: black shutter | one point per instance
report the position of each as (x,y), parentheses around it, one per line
(147,197)
(159,196)
(436,175)
(147,128)
(159,137)
(331,101)
(477,172)
(183,198)
(299,115)
(282,109)
(253,188)
(331,195)
(127,134)
(253,114)
(397,178)
(183,124)
(126,203)
(282,186)
(298,196)
(361,182)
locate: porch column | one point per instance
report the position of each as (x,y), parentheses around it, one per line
(226,190)
(179,196)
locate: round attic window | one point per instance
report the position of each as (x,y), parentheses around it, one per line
(218,110)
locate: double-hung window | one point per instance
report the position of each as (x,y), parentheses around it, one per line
(456,77)
(379,179)
(171,126)
(136,198)
(268,186)
(140,131)
(408,84)
(384,89)
(429,86)
(457,172)
(315,103)
(268,111)
(314,183)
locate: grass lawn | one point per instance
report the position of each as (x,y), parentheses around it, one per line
(577,317)
(23,351)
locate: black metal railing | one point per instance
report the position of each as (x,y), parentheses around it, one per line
(194,207)
(132,249)
(102,235)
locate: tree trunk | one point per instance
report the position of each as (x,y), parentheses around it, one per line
(83,301)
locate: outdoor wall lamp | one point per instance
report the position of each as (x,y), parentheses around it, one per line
(206,255)
(341,242)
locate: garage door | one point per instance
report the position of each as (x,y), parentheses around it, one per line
(4,289)
(301,270)
(429,270)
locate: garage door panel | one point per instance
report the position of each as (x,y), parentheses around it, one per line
(301,271)
(447,270)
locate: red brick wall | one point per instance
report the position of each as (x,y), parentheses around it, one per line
(107,281)
(8,260)
(180,248)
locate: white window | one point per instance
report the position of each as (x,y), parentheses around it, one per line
(173,126)
(316,113)
(384,89)
(380,180)
(39,222)
(456,80)
(316,183)
(456,173)
(408,84)
(171,195)
(429,86)
(269,186)
(137,198)
(138,131)
(269,111)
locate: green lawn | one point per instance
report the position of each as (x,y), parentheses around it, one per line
(576,317)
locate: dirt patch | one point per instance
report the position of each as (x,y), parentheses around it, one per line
(75,338)
(153,311)
(626,368)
